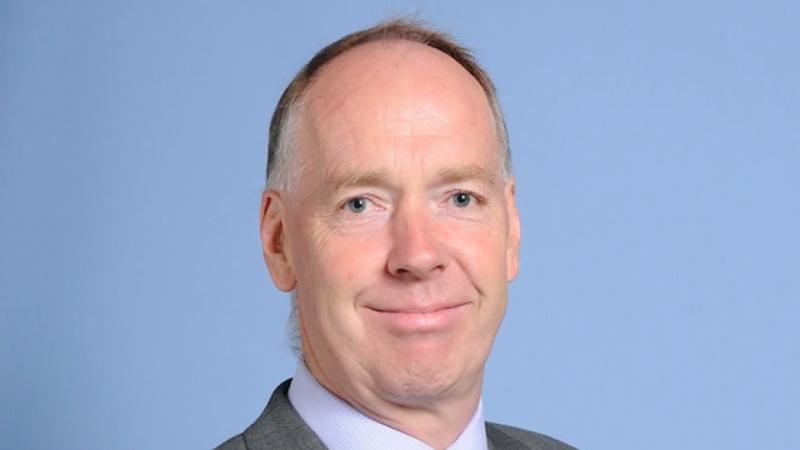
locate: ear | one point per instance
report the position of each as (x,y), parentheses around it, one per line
(514,232)
(273,240)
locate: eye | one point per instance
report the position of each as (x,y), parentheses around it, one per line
(462,199)
(357,205)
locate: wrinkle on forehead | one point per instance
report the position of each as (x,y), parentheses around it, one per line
(395,81)
(423,119)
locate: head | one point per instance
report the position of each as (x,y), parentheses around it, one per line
(390,213)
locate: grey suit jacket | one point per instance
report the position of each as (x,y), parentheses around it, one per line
(280,427)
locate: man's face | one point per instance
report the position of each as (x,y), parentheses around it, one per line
(400,234)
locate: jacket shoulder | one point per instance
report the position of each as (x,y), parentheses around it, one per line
(234,443)
(503,437)
(278,427)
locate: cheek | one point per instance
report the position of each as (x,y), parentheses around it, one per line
(337,266)
(347,265)
(485,256)
(313,254)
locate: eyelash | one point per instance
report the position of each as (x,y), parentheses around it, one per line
(346,203)
(477,198)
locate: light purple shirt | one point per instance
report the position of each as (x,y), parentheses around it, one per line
(340,426)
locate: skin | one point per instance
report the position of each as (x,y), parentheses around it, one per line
(400,236)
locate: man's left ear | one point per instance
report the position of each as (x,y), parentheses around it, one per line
(514,232)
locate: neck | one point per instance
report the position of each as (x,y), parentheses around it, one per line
(437,421)
(437,427)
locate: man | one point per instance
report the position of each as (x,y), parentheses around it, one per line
(390,214)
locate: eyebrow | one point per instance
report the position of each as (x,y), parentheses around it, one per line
(382,178)
(467,173)
(355,179)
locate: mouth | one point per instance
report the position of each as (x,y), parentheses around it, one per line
(419,319)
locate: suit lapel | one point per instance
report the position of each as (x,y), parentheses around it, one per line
(280,427)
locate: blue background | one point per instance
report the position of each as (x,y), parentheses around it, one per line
(657,149)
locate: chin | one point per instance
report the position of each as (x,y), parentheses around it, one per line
(419,381)
(428,368)
(416,391)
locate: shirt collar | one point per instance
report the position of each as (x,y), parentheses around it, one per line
(340,426)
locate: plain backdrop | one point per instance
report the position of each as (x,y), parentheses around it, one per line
(657,151)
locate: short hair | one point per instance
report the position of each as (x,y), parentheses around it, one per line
(284,118)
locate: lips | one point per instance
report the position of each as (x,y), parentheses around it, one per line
(429,318)
(422,310)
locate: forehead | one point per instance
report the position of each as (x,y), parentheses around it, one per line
(395,63)
(392,89)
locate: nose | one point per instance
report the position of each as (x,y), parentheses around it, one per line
(418,250)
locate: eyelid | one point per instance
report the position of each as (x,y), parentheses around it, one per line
(343,205)
(479,199)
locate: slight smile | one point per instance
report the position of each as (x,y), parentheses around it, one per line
(420,319)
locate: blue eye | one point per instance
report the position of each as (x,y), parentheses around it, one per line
(357,205)
(462,199)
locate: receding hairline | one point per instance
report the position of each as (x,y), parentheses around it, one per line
(392,31)
(384,54)
(388,50)
(397,30)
